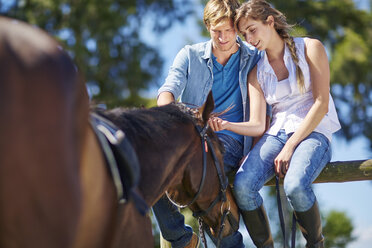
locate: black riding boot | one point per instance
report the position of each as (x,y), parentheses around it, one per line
(258,227)
(311,226)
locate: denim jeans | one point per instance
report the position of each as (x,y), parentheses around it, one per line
(233,152)
(171,221)
(308,160)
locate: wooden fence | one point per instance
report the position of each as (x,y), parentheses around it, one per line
(343,171)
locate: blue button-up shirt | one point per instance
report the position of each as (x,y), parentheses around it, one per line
(190,78)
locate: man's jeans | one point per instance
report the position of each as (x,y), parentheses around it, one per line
(171,221)
(308,160)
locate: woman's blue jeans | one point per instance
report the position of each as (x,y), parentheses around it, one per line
(308,160)
(171,221)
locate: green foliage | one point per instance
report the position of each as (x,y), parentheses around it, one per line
(351,50)
(104,40)
(190,220)
(103,37)
(337,230)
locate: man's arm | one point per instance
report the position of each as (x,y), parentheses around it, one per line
(176,80)
(165,98)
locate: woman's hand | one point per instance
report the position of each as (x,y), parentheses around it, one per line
(217,124)
(282,161)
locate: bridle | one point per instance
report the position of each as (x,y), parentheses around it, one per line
(221,197)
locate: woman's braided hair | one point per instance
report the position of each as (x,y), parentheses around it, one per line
(260,10)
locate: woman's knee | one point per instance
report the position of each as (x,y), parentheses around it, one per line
(246,191)
(244,185)
(294,189)
(239,184)
(300,195)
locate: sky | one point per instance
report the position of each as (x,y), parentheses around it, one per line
(354,198)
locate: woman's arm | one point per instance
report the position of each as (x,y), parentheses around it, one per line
(257,117)
(320,78)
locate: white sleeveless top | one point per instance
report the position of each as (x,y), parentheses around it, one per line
(289,106)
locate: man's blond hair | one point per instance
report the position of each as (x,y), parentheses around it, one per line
(217,10)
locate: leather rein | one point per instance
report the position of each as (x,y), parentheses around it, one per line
(221,197)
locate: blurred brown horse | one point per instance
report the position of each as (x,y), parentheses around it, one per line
(55,189)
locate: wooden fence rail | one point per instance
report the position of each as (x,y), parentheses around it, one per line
(343,171)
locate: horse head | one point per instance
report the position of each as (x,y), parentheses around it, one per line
(204,187)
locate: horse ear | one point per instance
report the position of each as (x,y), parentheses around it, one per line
(207,107)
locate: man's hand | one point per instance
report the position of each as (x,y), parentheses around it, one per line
(165,98)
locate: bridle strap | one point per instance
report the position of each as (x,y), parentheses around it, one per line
(223,217)
(204,138)
(222,195)
(280,209)
(281,217)
(201,232)
(233,222)
(225,182)
(202,213)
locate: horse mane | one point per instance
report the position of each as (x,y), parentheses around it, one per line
(148,123)
(152,124)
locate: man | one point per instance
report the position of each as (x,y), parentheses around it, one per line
(221,65)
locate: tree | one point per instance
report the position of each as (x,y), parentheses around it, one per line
(337,230)
(103,37)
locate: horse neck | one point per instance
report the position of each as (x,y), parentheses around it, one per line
(163,164)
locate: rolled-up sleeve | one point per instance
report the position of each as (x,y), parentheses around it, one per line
(176,80)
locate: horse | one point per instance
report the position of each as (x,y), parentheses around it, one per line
(177,143)
(55,188)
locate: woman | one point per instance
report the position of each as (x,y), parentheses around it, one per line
(293,77)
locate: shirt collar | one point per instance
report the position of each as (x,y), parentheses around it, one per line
(287,57)
(208,50)
(245,49)
(235,56)
(287,53)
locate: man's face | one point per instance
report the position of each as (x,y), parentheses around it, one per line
(223,35)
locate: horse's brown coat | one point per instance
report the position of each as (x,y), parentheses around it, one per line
(55,190)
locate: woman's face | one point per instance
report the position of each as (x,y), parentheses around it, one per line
(255,32)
